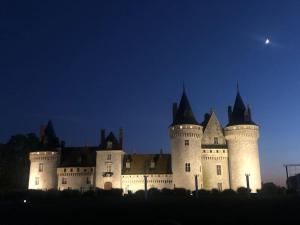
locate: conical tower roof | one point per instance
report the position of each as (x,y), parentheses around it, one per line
(184,114)
(240,113)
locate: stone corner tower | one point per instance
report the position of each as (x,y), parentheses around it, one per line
(43,162)
(185,136)
(242,135)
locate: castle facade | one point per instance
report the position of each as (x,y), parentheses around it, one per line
(203,156)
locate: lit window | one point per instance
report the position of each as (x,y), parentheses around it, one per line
(218,169)
(186,142)
(220,186)
(109,157)
(41,167)
(127,165)
(37,181)
(64,180)
(187,167)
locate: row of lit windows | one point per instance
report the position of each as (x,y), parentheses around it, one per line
(64,180)
(74,174)
(147,175)
(149,181)
(186,135)
(214,158)
(78,170)
(211,151)
(45,158)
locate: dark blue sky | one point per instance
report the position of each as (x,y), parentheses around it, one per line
(91,65)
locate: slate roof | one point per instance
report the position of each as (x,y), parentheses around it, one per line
(240,113)
(111,143)
(78,157)
(140,164)
(184,114)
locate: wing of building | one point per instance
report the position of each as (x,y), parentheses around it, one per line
(203,155)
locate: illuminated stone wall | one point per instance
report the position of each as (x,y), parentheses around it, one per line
(243,155)
(43,167)
(134,183)
(182,154)
(210,159)
(109,168)
(76,178)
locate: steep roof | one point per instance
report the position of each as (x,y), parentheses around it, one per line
(141,164)
(184,114)
(240,113)
(213,132)
(111,143)
(78,157)
(48,139)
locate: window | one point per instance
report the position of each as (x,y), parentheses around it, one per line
(216,141)
(41,167)
(187,167)
(77,169)
(92,169)
(37,181)
(220,186)
(127,165)
(71,170)
(109,145)
(109,157)
(88,180)
(186,142)
(108,168)
(65,170)
(218,169)
(64,180)
(152,164)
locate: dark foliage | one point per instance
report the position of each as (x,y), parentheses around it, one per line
(14,161)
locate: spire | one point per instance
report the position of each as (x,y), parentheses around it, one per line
(49,138)
(239,114)
(184,114)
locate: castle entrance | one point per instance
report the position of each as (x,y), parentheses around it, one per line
(107,186)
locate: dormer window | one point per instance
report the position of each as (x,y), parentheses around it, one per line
(109,157)
(109,145)
(127,165)
(216,141)
(152,165)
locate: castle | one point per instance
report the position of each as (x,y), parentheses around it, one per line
(203,155)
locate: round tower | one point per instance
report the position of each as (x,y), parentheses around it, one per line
(242,135)
(43,163)
(185,137)
(43,170)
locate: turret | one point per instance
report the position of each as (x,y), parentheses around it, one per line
(242,135)
(43,163)
(185,137)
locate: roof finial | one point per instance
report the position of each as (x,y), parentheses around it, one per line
(183,87)
(237,87)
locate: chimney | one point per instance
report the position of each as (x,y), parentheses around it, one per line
(102,142)
(121,137)
(174,110)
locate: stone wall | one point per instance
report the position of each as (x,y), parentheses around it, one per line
(43,165)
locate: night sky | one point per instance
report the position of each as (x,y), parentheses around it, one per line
(91,65)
